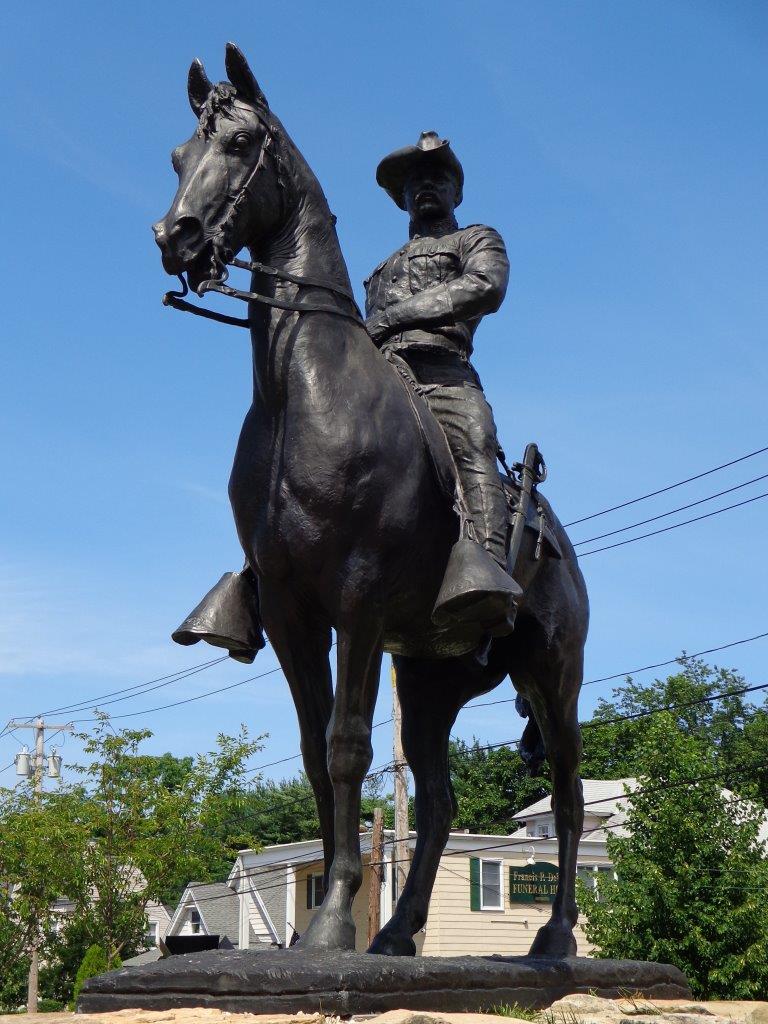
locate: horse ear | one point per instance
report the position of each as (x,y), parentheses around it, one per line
(198,86)
(241,76)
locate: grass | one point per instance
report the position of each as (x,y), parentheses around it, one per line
(515,1010)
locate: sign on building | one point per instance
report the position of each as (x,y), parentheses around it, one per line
(533,883)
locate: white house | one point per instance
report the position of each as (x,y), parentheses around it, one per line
(491,895)
(239,919)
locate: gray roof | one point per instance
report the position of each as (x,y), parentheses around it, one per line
(148,957)
(603,797)
(219,909)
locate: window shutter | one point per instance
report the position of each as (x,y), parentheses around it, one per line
(309,892)
(474,883)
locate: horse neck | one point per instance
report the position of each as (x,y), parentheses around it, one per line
(305,245)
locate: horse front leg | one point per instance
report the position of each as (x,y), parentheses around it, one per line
(556,712)
(302,644)
(349,758)
(431,697)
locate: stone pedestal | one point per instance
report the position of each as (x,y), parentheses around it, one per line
(287,981)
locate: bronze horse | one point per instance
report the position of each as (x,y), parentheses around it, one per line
(340,514)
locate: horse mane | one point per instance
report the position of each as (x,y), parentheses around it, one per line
(220,101)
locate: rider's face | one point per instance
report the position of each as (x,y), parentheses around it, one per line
(430,193)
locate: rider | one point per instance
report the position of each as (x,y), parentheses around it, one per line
(423,306)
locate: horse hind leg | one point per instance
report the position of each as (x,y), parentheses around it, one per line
(556,711)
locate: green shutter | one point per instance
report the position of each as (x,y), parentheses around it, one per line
(309,892)
(474,883)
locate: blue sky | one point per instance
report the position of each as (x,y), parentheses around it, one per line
(621,151)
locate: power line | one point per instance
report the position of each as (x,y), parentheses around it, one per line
(161,680)
(680,660)
(596,724)
(673,661)
(672,512)
(675,526)
(669,487)
(186,700)
(313,857)
(294,757)
(140,688)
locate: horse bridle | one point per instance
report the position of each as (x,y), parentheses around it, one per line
(176,299)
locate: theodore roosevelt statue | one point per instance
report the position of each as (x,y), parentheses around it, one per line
(423,306)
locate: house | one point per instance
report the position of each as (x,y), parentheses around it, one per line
(215,909)
(492,892)
(491,895)
(158,920)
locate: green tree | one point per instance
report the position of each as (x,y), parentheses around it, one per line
(490,787)
(41,849)
(147,839)
(731,725)
(691,872)
(95,962)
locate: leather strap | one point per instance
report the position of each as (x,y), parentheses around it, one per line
(283,275)
(177,299)
(267,300)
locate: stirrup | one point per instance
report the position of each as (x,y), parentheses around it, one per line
(476,589)
(228,617)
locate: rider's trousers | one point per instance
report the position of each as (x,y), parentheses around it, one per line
(452,390)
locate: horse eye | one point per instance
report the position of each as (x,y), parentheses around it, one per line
(240,142)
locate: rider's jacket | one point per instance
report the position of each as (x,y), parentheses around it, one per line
(435,291)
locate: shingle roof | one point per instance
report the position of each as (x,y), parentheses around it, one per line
(219,909)
(604,797)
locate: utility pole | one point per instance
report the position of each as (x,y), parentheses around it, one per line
(402,832)
(33,767)
(377,874)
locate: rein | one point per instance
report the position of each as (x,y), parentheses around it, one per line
(176,299)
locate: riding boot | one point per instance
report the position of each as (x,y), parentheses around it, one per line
(228,616)
(488,507)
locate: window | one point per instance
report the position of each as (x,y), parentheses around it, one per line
(490,885)
(315,891)
(194,921)
(590,874)
(150,935)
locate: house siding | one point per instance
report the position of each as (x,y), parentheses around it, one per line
(271,886)
(453,929)
(359,906)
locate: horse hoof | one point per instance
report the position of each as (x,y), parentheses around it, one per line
(393,944)
(554,941)
(328,933)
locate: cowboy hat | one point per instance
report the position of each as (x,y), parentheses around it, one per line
(393,171)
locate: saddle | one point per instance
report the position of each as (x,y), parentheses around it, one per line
(459,638)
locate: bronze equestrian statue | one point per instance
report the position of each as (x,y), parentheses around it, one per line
(354,513)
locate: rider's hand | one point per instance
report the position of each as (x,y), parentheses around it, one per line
(377,326)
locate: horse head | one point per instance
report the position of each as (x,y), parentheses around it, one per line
(218,208)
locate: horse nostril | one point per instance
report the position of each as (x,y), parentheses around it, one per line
(186,232)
